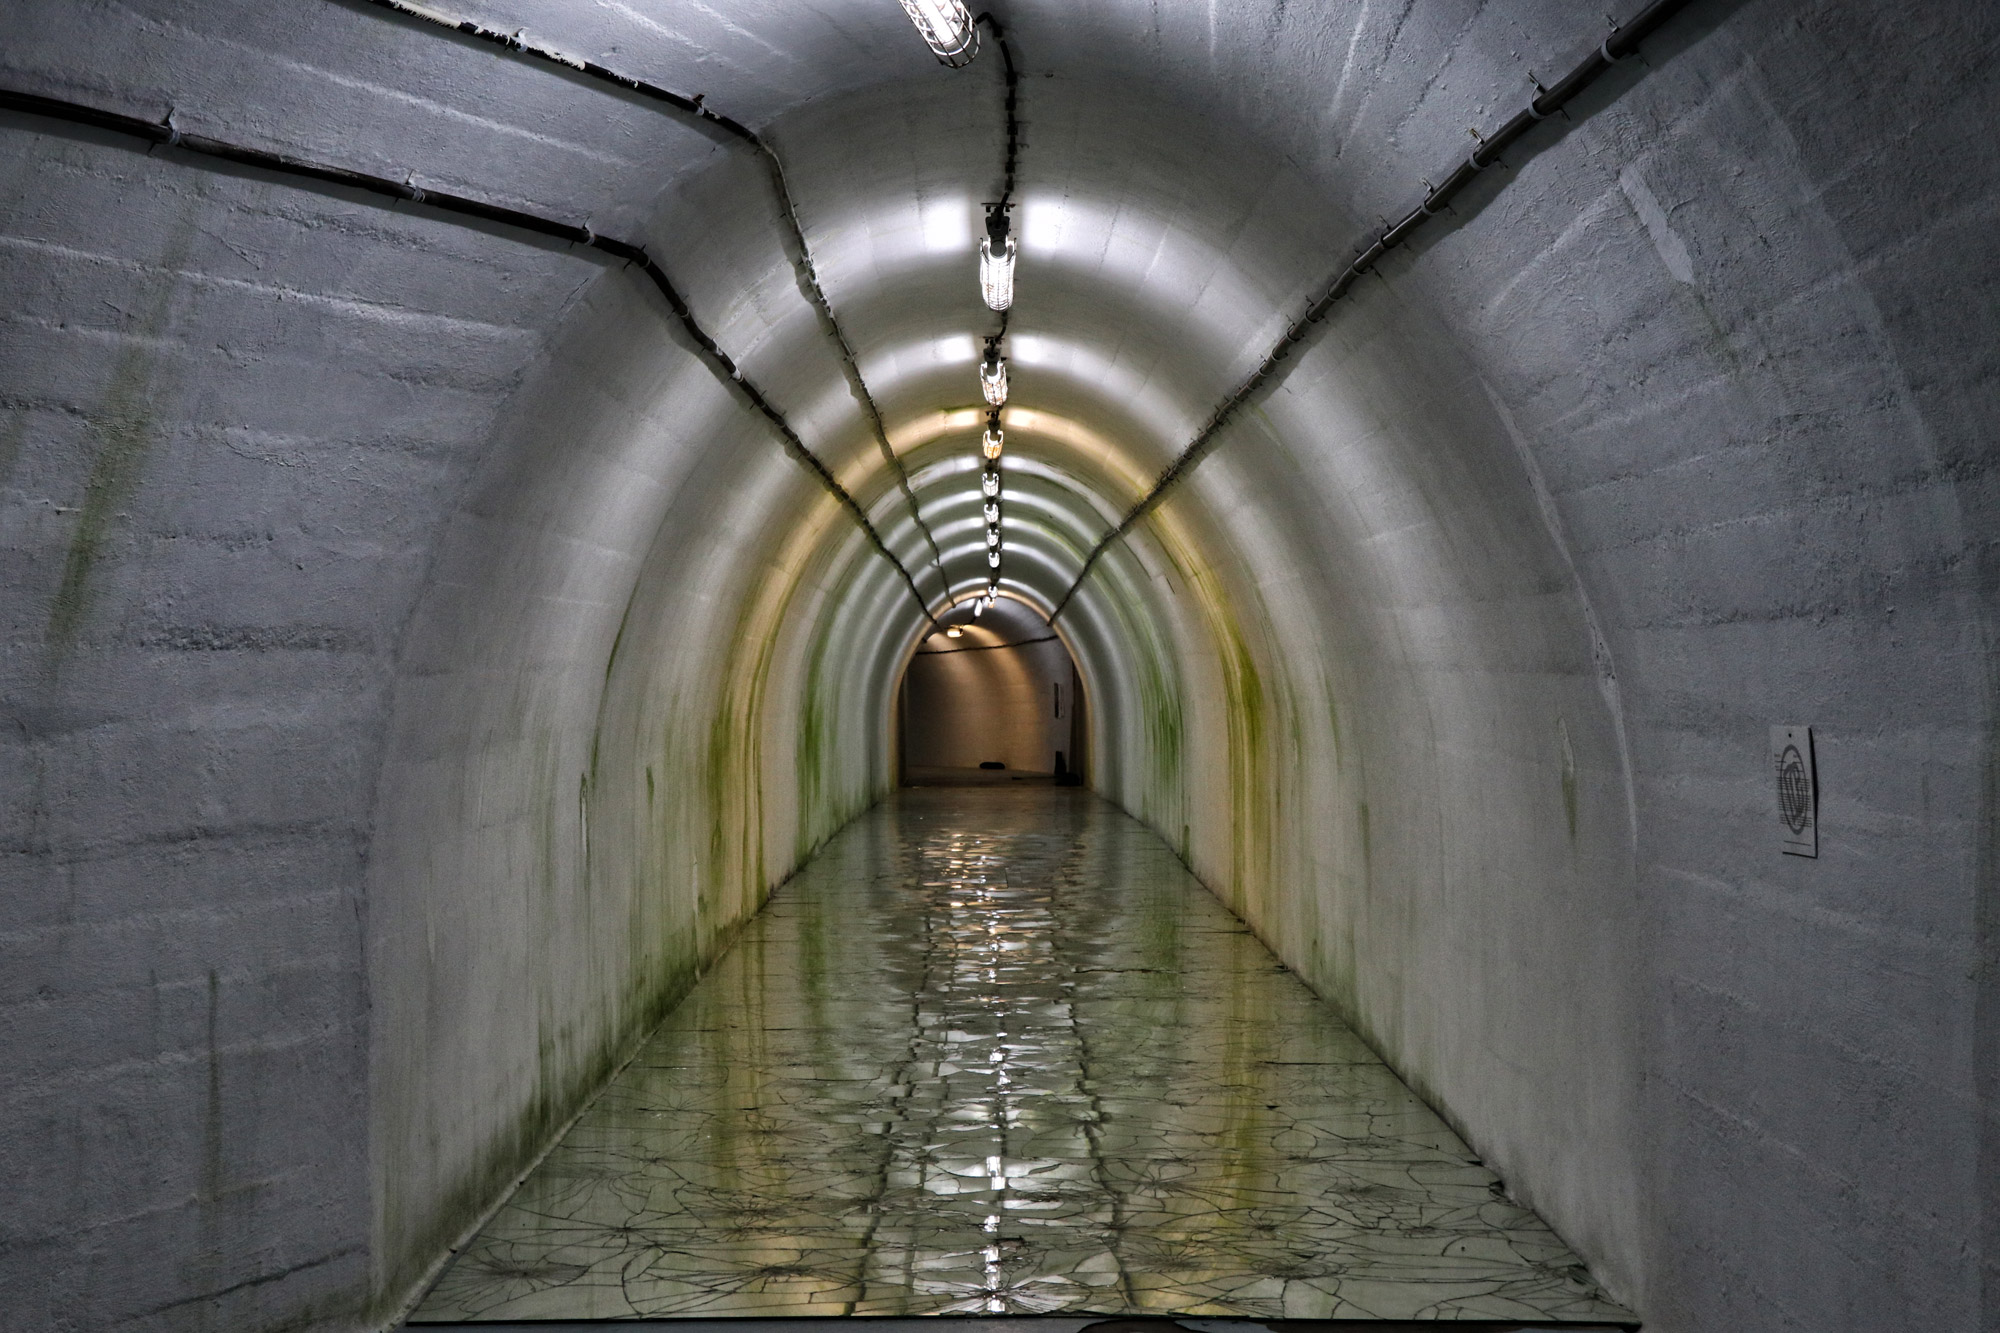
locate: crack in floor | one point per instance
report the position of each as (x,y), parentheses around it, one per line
(996,1052)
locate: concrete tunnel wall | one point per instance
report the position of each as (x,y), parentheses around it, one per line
(419,661)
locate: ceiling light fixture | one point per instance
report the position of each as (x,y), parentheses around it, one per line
(948,28)
(995,437)
(993,375)
(996,260)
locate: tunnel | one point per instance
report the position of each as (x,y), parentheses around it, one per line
(1495,506)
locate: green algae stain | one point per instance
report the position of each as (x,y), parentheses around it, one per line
(1165,727)
(10,445)
(719,785)
(1162,721)
(1333,722)
(815,754)
(1248,716)
(124,426)
(1568,777)
(1249,795)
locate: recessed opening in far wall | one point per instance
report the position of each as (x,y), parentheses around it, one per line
(1000,703)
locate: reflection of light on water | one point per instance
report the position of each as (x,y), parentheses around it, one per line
(985,929)
(1237,1236)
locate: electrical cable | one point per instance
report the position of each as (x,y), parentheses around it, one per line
(801,258)
(1621,43)
(1013,118)
(166,134)
(987,647)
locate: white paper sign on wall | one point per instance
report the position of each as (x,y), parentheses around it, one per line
(1797,790)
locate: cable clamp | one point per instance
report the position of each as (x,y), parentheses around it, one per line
(173,130)
(1540,93)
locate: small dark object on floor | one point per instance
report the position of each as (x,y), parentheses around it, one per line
(992,763)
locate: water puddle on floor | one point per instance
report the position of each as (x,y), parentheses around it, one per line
(995,1052)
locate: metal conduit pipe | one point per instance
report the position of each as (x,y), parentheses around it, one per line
(801,258)
(454,206)
(1622,42)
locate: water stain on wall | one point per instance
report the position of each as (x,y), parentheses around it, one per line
(123,425)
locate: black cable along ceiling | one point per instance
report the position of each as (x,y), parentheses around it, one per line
(788,213)
(462,208)
(957,51)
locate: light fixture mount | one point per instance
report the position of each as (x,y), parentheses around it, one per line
(996,260)
(948,28)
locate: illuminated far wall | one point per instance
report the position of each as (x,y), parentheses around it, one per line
(1006,690)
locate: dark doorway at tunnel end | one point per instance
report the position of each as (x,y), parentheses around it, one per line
(1001,703)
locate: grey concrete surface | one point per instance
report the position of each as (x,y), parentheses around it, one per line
(417,664)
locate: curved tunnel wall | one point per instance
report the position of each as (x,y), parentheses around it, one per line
(420,660)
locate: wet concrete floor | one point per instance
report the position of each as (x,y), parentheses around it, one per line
(995,1052)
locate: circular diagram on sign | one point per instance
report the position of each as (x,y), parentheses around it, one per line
(1794,791)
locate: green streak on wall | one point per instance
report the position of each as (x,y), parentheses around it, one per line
(124,426)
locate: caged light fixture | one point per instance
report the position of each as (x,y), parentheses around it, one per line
(995,437)
(993,375)
(996,260)
(948,27)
